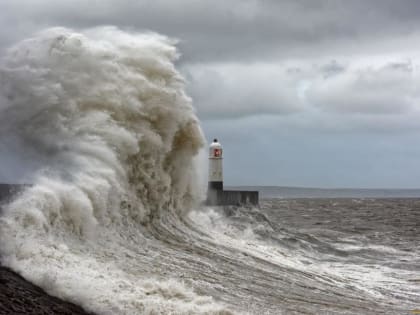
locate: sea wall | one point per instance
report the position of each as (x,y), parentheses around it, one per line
(232,198)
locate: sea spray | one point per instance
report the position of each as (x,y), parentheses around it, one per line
(104,114)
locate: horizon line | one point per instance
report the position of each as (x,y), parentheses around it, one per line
(323,188)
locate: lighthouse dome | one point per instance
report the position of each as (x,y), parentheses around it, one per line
(215,149)
(215,144)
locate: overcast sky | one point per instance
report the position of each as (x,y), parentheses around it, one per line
(300,93)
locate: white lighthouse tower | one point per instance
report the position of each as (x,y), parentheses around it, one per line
(216,195)
(215,166)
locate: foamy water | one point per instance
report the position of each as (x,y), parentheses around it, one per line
(113,220)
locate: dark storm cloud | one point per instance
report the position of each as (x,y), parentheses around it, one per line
(234,30)
(247,57)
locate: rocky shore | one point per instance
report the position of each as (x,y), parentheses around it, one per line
(18,296)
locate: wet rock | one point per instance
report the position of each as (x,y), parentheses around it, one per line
(18,296)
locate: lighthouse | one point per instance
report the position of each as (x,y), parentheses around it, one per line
(216,195)
(215,166)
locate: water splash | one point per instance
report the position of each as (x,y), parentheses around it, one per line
(104,114)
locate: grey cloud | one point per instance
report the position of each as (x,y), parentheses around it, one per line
(239,90)
(391,89)
(226,91)
(237,30)
(332,68)
(406,66)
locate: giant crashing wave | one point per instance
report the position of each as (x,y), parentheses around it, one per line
(102,118)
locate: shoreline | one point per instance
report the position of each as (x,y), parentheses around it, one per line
(18,296)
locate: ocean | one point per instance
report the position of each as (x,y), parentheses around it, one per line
(113,219)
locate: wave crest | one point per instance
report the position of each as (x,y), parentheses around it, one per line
(103,111)
(110,138)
